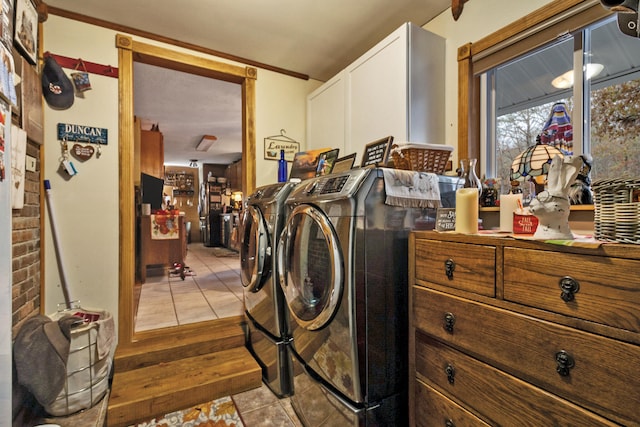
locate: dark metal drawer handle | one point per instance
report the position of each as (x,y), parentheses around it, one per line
(449,268)
(449,321)
(449,423)
(451,373)
(565,363)
(570,287)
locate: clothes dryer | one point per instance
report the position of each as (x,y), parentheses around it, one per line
(267,318)
(343,260)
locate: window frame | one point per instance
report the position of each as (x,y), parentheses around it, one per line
(532,31)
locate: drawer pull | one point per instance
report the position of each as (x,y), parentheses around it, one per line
(565,363)
(569,286)
(451,373)
(449,321)
(449,268)
(449,423)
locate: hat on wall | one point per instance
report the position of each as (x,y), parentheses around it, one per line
(57,88)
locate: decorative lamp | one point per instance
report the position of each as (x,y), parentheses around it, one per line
(557,130)
(533,163)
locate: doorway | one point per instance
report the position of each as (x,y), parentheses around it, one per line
(130,51)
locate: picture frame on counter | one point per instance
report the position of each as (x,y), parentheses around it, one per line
(376,153)
(344,164)
(26,29)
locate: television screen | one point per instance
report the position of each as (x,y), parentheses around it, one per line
(151,189)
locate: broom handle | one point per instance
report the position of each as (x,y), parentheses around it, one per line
(56,244)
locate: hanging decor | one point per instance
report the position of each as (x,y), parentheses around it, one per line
(81,133)
(456,8)
(273,144)
(79,63)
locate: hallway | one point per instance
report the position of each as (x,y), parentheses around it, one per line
(213,291)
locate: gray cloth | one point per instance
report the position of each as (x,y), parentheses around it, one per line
(40,352)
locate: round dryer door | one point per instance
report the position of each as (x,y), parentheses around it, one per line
(310,266)
(255,249)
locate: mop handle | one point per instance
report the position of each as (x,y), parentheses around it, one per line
(56,244)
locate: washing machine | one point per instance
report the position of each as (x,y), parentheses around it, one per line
(267,324)
(342,261)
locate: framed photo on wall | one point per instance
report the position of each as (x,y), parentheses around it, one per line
(6,23)
(26,29)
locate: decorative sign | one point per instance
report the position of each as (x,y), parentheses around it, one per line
(446,219)
(273,144)
(80,133)
(82,152)
(377,152)
(272,149)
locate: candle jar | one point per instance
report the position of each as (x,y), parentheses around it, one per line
(467,198)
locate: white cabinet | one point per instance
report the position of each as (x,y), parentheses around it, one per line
(326,115)
(396,88)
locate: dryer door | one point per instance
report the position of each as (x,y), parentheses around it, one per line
(310,266)
(255,249)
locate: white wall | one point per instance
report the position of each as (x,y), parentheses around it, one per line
(479,18)
(86,205)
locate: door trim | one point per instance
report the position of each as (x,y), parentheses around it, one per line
(128,51)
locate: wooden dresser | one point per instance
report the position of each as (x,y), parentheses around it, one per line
(516,332)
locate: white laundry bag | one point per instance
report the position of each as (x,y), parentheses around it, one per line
(89,363)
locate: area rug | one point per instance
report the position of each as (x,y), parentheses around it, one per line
(218,413)
(223,252)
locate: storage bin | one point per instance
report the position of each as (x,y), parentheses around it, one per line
(617,210)
(420,157)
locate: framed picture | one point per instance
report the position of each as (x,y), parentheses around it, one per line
(326,161)
(376,153)
(26,30)
(305,163)
(6,23)
(344,164)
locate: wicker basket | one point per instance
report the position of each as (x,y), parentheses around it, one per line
(617,210)
(421,157)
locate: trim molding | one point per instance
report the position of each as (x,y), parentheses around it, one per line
(133,31)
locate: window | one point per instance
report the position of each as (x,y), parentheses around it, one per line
(506,91)
(527,91)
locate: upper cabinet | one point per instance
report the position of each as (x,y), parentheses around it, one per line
(152,153)
(396,88)
(234,176)
(326,115)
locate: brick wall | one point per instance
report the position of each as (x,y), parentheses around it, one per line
(26,248)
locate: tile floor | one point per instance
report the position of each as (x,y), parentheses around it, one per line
(214,291)
(261,408)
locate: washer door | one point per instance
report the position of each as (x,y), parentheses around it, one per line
(255,250)
(310,266)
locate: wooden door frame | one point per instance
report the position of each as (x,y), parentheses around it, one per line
(129,51)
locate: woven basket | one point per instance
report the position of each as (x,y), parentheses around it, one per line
(617,210)
(421,157)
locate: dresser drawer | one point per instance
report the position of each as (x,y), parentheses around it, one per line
(489,391)
(433,409)
(599,289)
(472,266)
(605,377)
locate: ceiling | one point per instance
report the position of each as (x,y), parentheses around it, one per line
(309,37)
